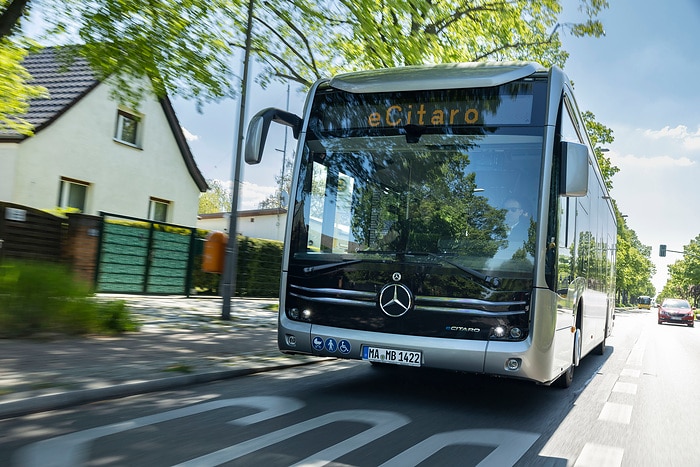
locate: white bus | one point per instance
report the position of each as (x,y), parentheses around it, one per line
(450,216)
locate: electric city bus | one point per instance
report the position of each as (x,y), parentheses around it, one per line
(449,216)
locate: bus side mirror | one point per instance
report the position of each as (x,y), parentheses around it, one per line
(260,125)
(574,170)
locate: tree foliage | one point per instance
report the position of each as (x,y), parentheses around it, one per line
(186,48)
(634,267)
(216,199)
(180,48)
(302,41)
(15,87)
(600,135)
(280,197)
(684,275)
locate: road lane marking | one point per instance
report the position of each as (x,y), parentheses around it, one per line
(617,413)
(627,388)
(632,373)
(382,423)
(510,446)
(598,455)
(73,449)
(636,356)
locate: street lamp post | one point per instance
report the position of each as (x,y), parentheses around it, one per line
(231,260)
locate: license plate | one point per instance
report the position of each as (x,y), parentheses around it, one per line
(393,356)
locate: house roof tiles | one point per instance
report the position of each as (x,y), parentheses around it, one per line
(68,80)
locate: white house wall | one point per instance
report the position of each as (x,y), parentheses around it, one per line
(80,145)
(267,227)
(8,160)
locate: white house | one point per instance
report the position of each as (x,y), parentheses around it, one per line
(266,224)
(90,153)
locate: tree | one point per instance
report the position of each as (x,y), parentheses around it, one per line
(185,48)
(284,185)
(180,48)
(15,87)
(216,199)
(684,280)
(302,41)
(634,267)
(599,135)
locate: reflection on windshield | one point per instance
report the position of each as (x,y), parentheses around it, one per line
(470,197)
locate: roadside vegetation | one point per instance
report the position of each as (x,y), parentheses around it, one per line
(684,280)
(46,300)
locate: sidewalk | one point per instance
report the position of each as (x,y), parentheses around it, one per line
(182,341)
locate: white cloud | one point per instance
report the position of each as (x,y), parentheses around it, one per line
(189,136)
(689,140)
(679,132)
(250,195)
(692,143)
(633,162)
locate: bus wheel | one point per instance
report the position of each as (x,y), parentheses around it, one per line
(566,378)
(600,348)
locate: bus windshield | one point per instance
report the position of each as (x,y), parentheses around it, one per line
(444,174)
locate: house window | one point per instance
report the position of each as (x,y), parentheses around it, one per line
(158,210)
(127,128)
(72,194)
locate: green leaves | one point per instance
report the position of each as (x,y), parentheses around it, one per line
(684,280)
(216,199)
(15,87)
(188,48)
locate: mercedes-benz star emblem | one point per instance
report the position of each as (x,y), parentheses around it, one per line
(395,300)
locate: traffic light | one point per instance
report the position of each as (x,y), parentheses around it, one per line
(662,250)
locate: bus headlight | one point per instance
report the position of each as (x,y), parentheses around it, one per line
(516,333)
(299,315)
(293,313)
(499,332)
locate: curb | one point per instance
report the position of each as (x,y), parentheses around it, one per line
(63,400)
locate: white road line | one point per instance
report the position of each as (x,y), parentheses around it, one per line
(510,446)
(627,388)
(380,423)
(617,413)
(629,372)
(636,356)
(598,455)
(73,449)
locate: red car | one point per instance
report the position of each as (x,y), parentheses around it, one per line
(676,310)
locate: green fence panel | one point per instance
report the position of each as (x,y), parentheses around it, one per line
(139,256)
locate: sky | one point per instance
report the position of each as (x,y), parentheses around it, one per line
(641,80)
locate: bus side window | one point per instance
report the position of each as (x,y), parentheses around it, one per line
(566,214)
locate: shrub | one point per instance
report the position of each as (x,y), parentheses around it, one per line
(38,298)
(258,275)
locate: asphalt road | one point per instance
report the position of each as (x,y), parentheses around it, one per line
(632,406)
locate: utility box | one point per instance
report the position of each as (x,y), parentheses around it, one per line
(214,252)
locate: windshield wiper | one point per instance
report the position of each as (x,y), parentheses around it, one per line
(323,267)
(492,281)
(339,264)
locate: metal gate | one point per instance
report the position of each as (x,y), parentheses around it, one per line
(142,256)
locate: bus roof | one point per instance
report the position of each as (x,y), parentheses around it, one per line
(441,76)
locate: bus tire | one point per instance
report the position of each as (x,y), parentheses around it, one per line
(600,348)
(564,381)
(566,378)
